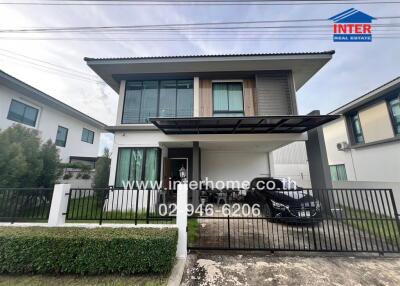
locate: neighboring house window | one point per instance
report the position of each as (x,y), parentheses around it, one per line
(338,172)
(61,138)
(228,99)
(87,136)
(395,114)
(357,130)
(22,113)
(164,98)
(136,165)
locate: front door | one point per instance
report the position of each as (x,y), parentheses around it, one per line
(176,165)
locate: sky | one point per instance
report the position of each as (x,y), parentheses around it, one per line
(355,69)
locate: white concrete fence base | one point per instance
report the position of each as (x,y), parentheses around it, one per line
(59,204)
(181,220)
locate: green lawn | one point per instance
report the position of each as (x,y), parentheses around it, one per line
(41,280)
(193,231)
(88,210)
(388,230)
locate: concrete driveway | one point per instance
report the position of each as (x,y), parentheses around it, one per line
(257,269)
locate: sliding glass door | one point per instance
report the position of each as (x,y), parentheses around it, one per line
(137,165)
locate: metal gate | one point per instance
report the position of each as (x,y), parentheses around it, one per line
(329,220)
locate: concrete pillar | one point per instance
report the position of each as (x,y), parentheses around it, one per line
(59,204)
(181,220)
(317,158)
(196,173)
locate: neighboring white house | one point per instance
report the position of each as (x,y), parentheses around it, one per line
(221,117)
(363,145)
(291,162)
(76,134)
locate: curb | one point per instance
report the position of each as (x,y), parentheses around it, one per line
(177,273)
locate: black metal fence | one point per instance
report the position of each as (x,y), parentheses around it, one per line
(120,206)
(351,220)
(25,204)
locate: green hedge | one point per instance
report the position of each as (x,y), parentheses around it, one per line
(87,251)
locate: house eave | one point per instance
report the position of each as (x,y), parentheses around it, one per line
(368,97)
(31,92)
(303,66)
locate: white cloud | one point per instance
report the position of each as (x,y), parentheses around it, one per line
(355,69)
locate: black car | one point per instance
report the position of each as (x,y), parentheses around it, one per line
(282,201)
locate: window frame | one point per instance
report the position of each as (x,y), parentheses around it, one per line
(25,107)
(88,132)
(158,98)
(336,169)
(353,130)
(143,173)
(66,136)
(230,112)
(395,126)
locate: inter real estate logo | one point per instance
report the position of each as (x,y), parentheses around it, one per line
(352,26)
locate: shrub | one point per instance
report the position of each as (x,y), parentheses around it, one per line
(86,251)
(67,176)
(86,177)
(25,161)
(102,173)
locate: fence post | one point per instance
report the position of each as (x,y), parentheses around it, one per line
(181,220)
(59,205)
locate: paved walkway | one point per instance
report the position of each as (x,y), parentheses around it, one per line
(256,269)
(260,233)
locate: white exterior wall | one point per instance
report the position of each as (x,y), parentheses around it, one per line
(223,142)
(47,123)
(233,165)
(291,162)
(377,163)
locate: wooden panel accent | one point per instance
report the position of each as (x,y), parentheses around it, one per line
(248,97)
(206,103)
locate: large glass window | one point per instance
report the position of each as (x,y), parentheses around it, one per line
(395,114)
(228,99)
(22,113)
(165,98)
(357,130)
(338,172)
(87,136)
(61,138)
(136,165)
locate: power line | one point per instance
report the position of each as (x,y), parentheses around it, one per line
(383,36)
(192,26)
(194,3)
(52,69)
(62,68)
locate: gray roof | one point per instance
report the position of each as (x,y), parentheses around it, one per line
(29,91)
(368,97)
(302,64)
(331,52)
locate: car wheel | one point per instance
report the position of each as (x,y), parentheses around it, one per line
(267,211)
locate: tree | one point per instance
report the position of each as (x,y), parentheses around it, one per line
(24,162)
(102,173)
(12,163)
(29,144)
(51,165)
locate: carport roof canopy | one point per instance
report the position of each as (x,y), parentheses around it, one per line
(241,125)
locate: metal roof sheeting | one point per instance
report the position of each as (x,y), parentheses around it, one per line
(330,52)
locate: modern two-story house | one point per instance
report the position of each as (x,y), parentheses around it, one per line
(220,117)
(76,134)
(363,145)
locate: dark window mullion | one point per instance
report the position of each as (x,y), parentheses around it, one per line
(158,97)
(176,98)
